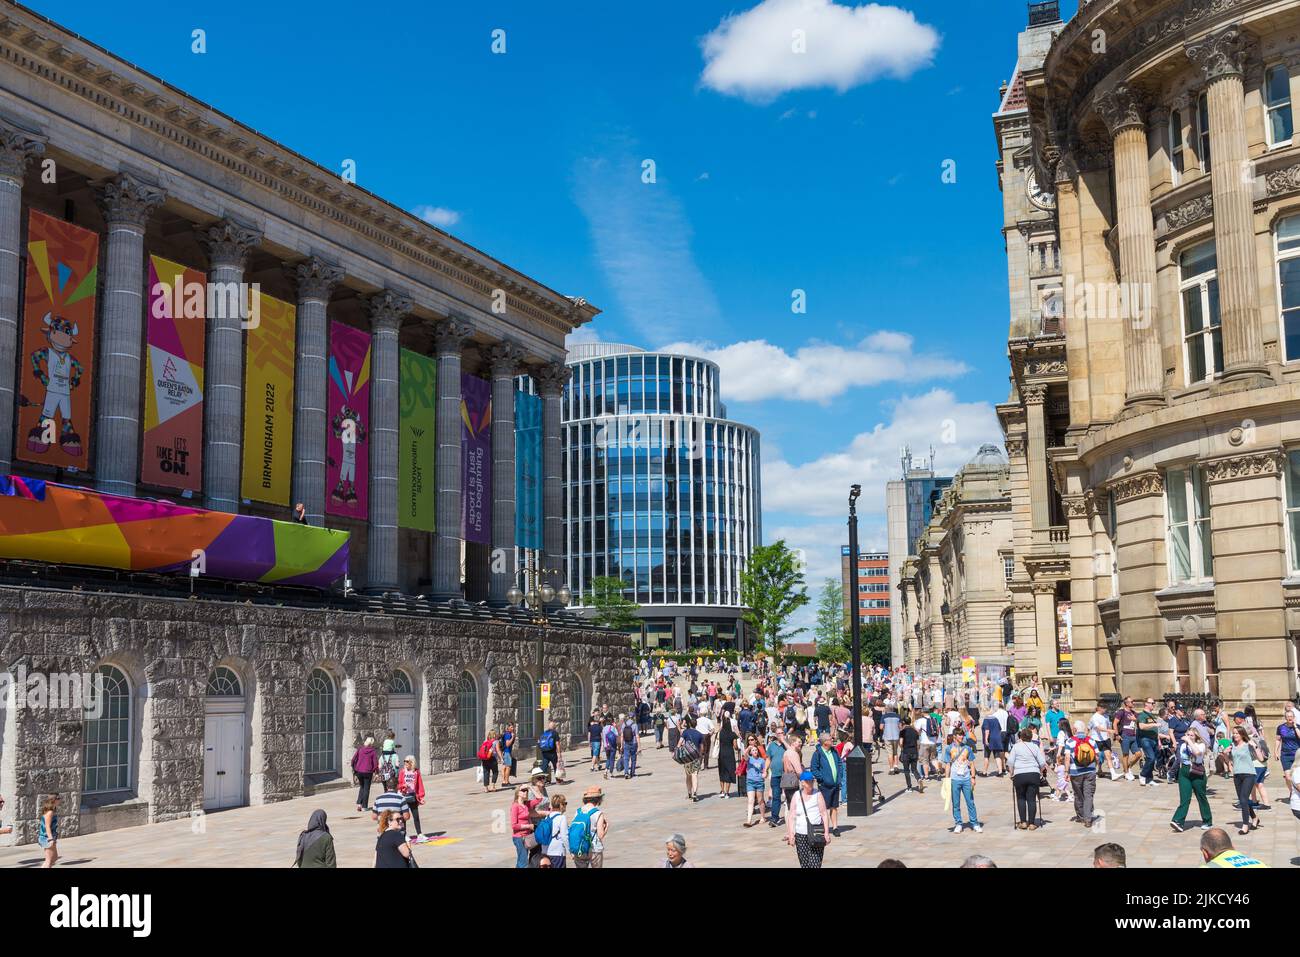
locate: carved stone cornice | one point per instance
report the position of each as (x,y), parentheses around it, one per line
(315,278)
(1016,446)
(1219,54)
(1285,180)
(228,243)
(1034,394)
(1076,506)
(1045,367)
(450,335)
(1067,169)
(503,359)
(551,378)
(1137,486)
(387,310)
(1122,107)
(126,201)
(18,147)
(1267,462)
(1189,212)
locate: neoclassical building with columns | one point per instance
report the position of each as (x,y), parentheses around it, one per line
(1154,265)
(91,140)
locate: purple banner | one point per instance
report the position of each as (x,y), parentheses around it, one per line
(347,445)
(476,459)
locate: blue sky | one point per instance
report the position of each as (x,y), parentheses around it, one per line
(773,173)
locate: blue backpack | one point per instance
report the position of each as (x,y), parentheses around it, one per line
(545,831)
(547,741)
(581,833)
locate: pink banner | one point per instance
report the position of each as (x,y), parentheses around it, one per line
(347,446)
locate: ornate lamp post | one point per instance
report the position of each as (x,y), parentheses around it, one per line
(857,766)
(539,597)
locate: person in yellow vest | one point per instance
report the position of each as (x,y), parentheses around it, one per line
(1217,849)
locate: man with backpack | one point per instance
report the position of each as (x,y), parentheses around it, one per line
(587,831)
(629,748)
(1083,755)
(548,745)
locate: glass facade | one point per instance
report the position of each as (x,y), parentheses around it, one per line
(661,489)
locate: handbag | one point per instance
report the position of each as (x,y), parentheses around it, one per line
(815,838)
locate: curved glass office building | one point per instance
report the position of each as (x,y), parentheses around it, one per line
(662,491)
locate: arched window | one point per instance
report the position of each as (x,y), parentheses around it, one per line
(1008,629)
(108,737)
(399,682)
(322,723)
(468,733)
(527,727)
(578,699)
(224,683)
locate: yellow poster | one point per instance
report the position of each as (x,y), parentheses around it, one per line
(967,670)
(546,696)
(268,400)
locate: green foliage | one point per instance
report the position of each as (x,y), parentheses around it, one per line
(613,608)
(772,589)
(832,641)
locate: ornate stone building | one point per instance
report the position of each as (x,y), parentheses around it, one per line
(283,696)
(955,589)
(1164,133)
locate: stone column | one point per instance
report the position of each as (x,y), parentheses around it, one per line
(1140,550)
(386,312)
(17,147)
(448,337)
(503,360)
(1221,57)
(1249,548)
(1036,463)
(1122,109)
(228,244)
(315,279)
(127,204)
(1085,622)
(550,384)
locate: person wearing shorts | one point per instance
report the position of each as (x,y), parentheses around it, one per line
(1099,732)
(1126,729)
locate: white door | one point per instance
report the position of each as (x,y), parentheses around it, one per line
(403,725)
(223,761)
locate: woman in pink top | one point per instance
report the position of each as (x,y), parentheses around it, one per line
(411,786)
(521,825)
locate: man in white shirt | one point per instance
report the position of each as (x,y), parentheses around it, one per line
(705,726)
(1001,715)
(1099,732)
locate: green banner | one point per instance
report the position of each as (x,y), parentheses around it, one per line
(417,401)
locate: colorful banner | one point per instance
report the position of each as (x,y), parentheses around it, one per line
(1064,638)
(417,410)
(79,527)
(347,451)
(172,453)
(476,459)
(528,470)
(268,401)
(57,354)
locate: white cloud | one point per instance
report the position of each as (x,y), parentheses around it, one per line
(753,54)
(438,216)
(817,491)
(820,488)
(818,372)
(580,335)
(642,240)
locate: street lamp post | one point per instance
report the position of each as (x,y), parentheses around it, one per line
(858,765)
(538,596)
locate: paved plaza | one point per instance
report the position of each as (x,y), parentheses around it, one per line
(643,812)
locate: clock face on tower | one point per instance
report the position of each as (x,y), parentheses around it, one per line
(1042,198)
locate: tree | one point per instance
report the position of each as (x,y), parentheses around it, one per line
(613,608)
(832,643)
(772,589)
(876,649)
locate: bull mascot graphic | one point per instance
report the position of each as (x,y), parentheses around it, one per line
(58,370)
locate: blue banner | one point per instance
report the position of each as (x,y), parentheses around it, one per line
(528,470)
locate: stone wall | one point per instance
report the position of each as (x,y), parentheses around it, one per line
(168,647)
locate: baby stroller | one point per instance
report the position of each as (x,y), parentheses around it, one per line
(1166,768)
